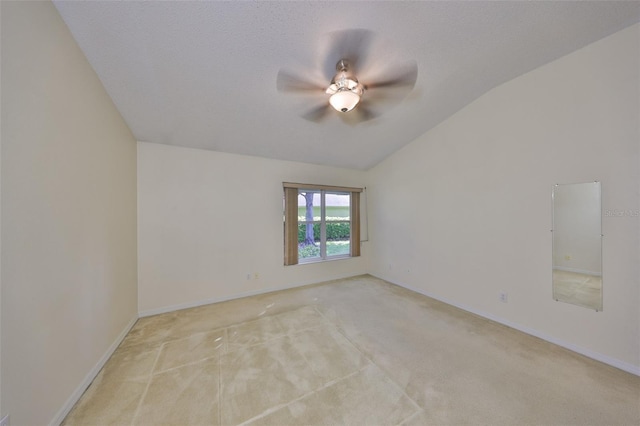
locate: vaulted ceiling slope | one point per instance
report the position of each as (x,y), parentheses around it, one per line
(203,74)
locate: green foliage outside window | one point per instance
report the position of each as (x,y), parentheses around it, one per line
(335,231)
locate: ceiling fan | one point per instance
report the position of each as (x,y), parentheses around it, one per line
(341,91)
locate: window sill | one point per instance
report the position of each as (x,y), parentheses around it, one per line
(318,260)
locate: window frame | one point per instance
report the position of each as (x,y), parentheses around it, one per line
(323,226)
(291,222)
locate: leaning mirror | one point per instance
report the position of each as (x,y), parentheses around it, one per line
(577,244)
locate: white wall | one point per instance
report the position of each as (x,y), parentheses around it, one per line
(206,220)
(464,212)
(68,217)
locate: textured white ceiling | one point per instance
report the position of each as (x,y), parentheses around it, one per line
(203,74)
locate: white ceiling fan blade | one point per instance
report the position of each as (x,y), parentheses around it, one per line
(317,114)
(402,75)
(287,81)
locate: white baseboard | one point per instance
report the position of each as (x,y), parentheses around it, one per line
(196,303)
(202,302)
(75,396)
(614,362)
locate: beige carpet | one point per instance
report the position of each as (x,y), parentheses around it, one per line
(358,351)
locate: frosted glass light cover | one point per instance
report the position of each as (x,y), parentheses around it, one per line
(344,100)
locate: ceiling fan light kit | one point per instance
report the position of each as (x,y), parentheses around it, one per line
(345,90)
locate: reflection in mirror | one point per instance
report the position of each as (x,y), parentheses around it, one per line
(577,244)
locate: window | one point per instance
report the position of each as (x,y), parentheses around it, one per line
(321,223)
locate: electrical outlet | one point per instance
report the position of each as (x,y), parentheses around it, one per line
(503,296)
(567,257)
(5,421)
(256,275)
